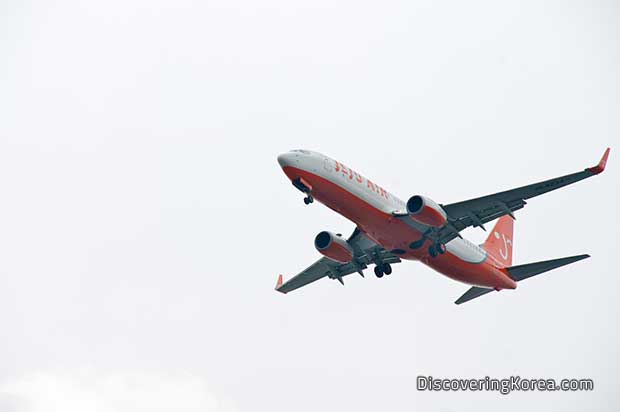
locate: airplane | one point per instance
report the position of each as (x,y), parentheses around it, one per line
(389,230)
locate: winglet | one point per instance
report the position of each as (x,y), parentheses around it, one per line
(279,283)
(601,165)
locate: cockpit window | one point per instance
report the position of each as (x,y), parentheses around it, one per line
(301,151)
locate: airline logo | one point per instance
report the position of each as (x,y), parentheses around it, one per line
(503,252)
(354,176)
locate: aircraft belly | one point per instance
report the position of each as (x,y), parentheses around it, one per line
(476,274)
(466,251)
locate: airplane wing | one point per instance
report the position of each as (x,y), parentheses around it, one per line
(366,252)
(476,212)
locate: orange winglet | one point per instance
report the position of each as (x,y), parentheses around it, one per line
(601,165)
(279,283)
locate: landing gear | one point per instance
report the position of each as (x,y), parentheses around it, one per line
(381,270)
(304,187)
(436,249)
(387,269)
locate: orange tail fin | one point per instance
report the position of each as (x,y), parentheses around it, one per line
(500,241)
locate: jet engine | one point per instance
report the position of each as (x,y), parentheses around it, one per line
(334,247)
(425,211)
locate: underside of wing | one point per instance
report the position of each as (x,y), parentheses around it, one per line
(476,212)
(366,252)
(314,272)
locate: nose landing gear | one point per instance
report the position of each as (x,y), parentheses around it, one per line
(305,187)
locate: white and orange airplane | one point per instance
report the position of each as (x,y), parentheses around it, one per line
(389,229)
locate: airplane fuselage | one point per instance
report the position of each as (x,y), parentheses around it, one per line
(371,208)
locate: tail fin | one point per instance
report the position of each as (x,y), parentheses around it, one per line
(500,241)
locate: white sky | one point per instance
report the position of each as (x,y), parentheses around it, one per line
(144,217)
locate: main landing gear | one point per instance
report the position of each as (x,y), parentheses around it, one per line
(436,249)
(308,199)
(381,270)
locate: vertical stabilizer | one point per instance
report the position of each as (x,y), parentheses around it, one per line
(500,241)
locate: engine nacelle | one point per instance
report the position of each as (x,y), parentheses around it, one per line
(425,211)
(334,247)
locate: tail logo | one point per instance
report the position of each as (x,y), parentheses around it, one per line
(507,242)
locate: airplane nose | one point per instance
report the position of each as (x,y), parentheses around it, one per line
(285,159)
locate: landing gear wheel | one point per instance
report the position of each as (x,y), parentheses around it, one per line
(387,269)
(308,199)
(432,251)
(379,271)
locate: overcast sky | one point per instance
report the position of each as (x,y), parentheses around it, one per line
(144,218)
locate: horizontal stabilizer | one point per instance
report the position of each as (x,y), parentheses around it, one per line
(521,272)
(472,294)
